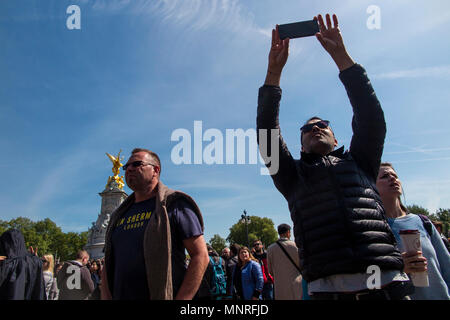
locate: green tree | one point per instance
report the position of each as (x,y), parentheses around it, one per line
(443,215)
(47,232)
(74,242)
(4,225)
(258,228)
(26,227)
(218,243)
(418,210)
(47,237)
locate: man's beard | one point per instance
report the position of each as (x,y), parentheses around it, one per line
(133,183)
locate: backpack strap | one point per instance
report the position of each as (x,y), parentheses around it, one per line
(287,255)
(427,224)
(213,261)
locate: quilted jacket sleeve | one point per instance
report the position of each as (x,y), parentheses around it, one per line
(282,165)
(368,123)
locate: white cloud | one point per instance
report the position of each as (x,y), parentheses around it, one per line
(440,71)
(421,160)
(419,150)
(193,15)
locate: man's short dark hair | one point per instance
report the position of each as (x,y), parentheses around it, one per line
(301,133)
(312,118)
(152,154)
(283,228)
(81,254)
(256,241)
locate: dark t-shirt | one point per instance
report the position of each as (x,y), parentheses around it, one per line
(130,278)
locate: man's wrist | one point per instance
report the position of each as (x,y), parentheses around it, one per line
(343,60)
(273,78)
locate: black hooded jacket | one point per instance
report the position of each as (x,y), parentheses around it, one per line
(21,276)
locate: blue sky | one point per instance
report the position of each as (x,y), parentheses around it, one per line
(138,70)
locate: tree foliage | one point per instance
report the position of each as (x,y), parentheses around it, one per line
(258,228)
(218,243)
(442,215)
(47,237)
(418,210)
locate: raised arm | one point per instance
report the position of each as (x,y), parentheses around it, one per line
(272,146)
(331,40)
(278,55)
(368,124)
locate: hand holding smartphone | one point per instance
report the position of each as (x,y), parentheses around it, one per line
(298,29)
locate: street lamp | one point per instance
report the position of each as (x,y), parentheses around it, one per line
(245,219)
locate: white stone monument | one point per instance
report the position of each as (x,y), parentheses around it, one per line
(112,197)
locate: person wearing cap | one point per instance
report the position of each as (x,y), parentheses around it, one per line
(339,222)
(284,266)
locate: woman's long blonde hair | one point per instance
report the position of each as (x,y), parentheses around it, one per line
(51,263)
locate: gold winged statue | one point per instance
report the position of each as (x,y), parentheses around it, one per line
(116,170)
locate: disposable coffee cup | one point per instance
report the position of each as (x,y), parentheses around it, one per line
(411,243)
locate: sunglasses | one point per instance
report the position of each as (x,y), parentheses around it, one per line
(322,124)
(136,164)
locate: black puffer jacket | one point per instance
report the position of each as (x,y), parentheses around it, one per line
(339,222)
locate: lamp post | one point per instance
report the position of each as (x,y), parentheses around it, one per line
(245,219)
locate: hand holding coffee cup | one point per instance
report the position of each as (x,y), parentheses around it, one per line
(415,263)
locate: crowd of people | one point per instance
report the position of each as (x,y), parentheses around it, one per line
(25,276)
(240,273)
(344,204)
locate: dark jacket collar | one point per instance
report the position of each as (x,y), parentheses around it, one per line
(311,157)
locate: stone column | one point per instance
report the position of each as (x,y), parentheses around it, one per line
(112,197)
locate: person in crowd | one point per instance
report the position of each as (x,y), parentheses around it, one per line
(155,268)
(283,265)
(261,255)
(230,265)
(247,276)
(95,276)
(21,276)
(216,275)
(58,268)
(74,279)
(48,265)
(438,226)
(100,265)
(225,253)
(434,257)
(339,225)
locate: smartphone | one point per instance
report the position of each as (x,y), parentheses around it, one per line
(298,29)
